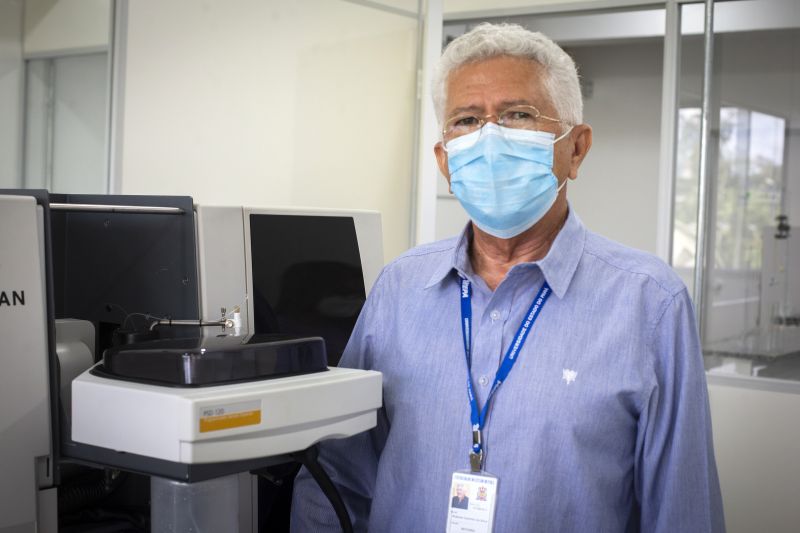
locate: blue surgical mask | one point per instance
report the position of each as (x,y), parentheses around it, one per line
(504,177)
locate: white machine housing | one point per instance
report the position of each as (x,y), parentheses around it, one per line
(25,437)
(224,423)
(293,412)
(224,253)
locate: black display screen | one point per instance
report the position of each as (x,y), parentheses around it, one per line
(307,277)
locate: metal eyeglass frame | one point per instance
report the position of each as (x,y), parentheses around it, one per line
(483,120)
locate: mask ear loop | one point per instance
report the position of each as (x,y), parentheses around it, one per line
(554,142)
(563,135)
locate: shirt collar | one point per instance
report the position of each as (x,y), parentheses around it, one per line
(458,260)
(561,262)
(558,266)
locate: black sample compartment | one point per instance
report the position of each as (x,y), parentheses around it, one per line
(209,361)
(307,277)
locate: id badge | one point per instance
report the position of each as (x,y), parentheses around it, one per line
(472,502)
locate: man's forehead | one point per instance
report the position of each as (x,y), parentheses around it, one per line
(497,82)
(510,102)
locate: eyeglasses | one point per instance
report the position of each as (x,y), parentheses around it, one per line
(518,117)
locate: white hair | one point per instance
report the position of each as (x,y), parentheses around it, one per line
(491,40)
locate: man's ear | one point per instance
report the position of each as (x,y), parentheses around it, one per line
(441,160)
(582,142)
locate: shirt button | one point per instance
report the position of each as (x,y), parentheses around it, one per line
(483,380)
(495,315)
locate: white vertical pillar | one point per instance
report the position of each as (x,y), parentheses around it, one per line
(669,123)
(427,171)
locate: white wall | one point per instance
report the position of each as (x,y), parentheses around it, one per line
(755,440)
(11,78)
(58,27)
(290,103)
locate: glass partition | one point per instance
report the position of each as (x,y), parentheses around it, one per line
(54,87)
(750,307)
(66,123)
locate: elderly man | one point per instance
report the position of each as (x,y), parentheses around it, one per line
(560,369)
(460,500)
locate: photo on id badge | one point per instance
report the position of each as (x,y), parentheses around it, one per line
(472,503)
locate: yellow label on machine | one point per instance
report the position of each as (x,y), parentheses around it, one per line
(217,418)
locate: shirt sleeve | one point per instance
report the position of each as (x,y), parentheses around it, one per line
(352,462)
(676,475)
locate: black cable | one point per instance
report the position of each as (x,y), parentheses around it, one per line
(308,458)
(95,486)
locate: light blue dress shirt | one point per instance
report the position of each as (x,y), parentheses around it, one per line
(602,426)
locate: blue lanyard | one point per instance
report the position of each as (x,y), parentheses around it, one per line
(478,417)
